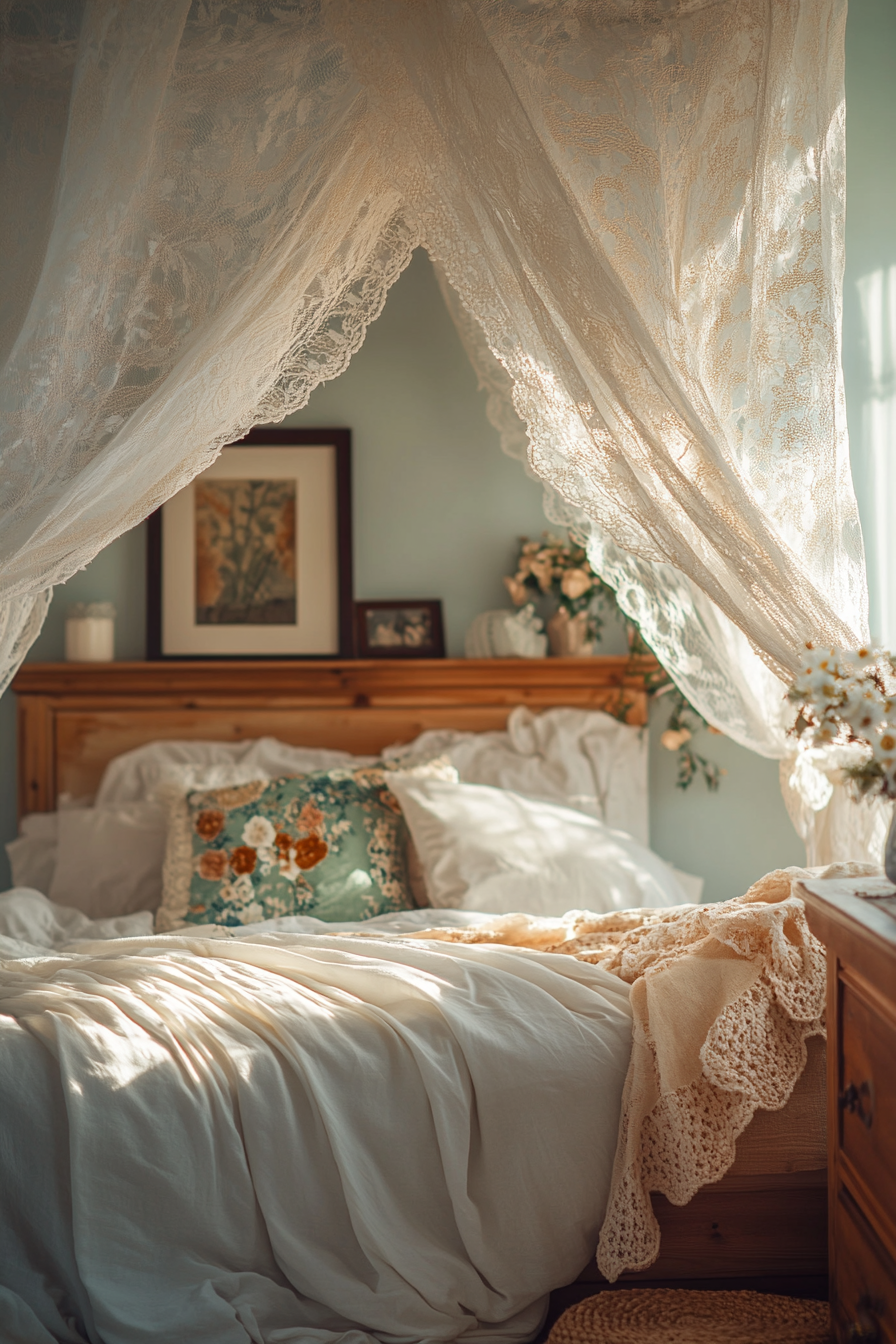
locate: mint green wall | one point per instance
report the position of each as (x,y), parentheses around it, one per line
(437,507)
(437,510)
(869,292)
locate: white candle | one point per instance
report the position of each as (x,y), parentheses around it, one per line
(90,639)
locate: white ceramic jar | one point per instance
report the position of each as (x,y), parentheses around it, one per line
(90,633)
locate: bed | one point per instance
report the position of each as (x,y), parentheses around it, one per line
(763,1224)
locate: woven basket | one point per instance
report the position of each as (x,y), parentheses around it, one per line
(689,1316)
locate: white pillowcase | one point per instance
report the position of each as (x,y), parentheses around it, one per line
(488,849)
(583,759)
(109,859)
(576,757)
(580,758)
(134,776)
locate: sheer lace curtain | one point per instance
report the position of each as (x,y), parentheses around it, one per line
(710,658)
(647,262)
(200,231)
(721,672)
(639,203)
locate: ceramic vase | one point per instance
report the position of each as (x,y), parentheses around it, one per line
(568,635)
(890,851)
(507,634)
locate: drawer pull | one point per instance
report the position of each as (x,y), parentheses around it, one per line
(865,1328)
(859,1101)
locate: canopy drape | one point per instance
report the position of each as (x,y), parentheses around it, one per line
(638,204)
(199,231)
(711,658)
(642,210)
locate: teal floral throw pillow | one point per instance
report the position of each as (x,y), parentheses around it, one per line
(331,844)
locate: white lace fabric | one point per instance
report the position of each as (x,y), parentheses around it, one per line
(215,241)
(724,998)
(654,258)
(706,654)
(640,208)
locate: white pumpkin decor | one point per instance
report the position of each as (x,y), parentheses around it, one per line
(507,634)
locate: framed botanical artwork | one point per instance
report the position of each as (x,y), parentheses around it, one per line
(405,629)
(253,559)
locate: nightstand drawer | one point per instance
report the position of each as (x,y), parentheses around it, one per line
(865,1296)
(867,1098)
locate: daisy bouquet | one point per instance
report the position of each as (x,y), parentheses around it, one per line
(847,697)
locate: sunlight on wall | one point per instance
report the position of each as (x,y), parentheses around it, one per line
(873,449)
(869,292)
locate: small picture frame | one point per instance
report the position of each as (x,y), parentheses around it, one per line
(399,629)
(253,559)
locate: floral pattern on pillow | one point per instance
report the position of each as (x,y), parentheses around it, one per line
(331,844)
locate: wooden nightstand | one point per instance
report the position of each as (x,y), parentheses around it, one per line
(856,920)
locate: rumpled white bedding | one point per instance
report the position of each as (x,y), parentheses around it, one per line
(288,1137)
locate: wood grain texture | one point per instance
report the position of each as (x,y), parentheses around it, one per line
(862,935)
(866,1133)
(864,1304)
(74,717)
(740,1226)
(447,681)
(794,1138)
(36,756)
(861,1018)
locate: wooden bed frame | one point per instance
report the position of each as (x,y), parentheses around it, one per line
(74,717)
(751,1228)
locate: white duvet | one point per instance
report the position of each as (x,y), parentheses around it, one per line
(286,1136)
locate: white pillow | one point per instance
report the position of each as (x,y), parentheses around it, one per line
(109,859)
(579,758)
(488,849)
(135,775)
(32,855)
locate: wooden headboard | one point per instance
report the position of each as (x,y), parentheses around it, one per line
(73,718)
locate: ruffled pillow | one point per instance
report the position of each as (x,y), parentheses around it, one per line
(331,844)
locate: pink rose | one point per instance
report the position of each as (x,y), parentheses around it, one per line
(575,583)
(543,570)
(672,739)
(518,591)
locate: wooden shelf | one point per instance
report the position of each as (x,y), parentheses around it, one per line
(342,680)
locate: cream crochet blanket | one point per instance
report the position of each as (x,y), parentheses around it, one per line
(724,998)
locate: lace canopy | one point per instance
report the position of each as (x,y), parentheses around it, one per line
(636,207)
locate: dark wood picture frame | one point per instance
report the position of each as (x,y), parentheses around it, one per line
(433,648)
(341,440)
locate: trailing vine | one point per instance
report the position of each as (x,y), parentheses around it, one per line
(561,569)
(684,723)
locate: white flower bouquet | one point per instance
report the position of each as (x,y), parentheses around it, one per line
(848,697)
